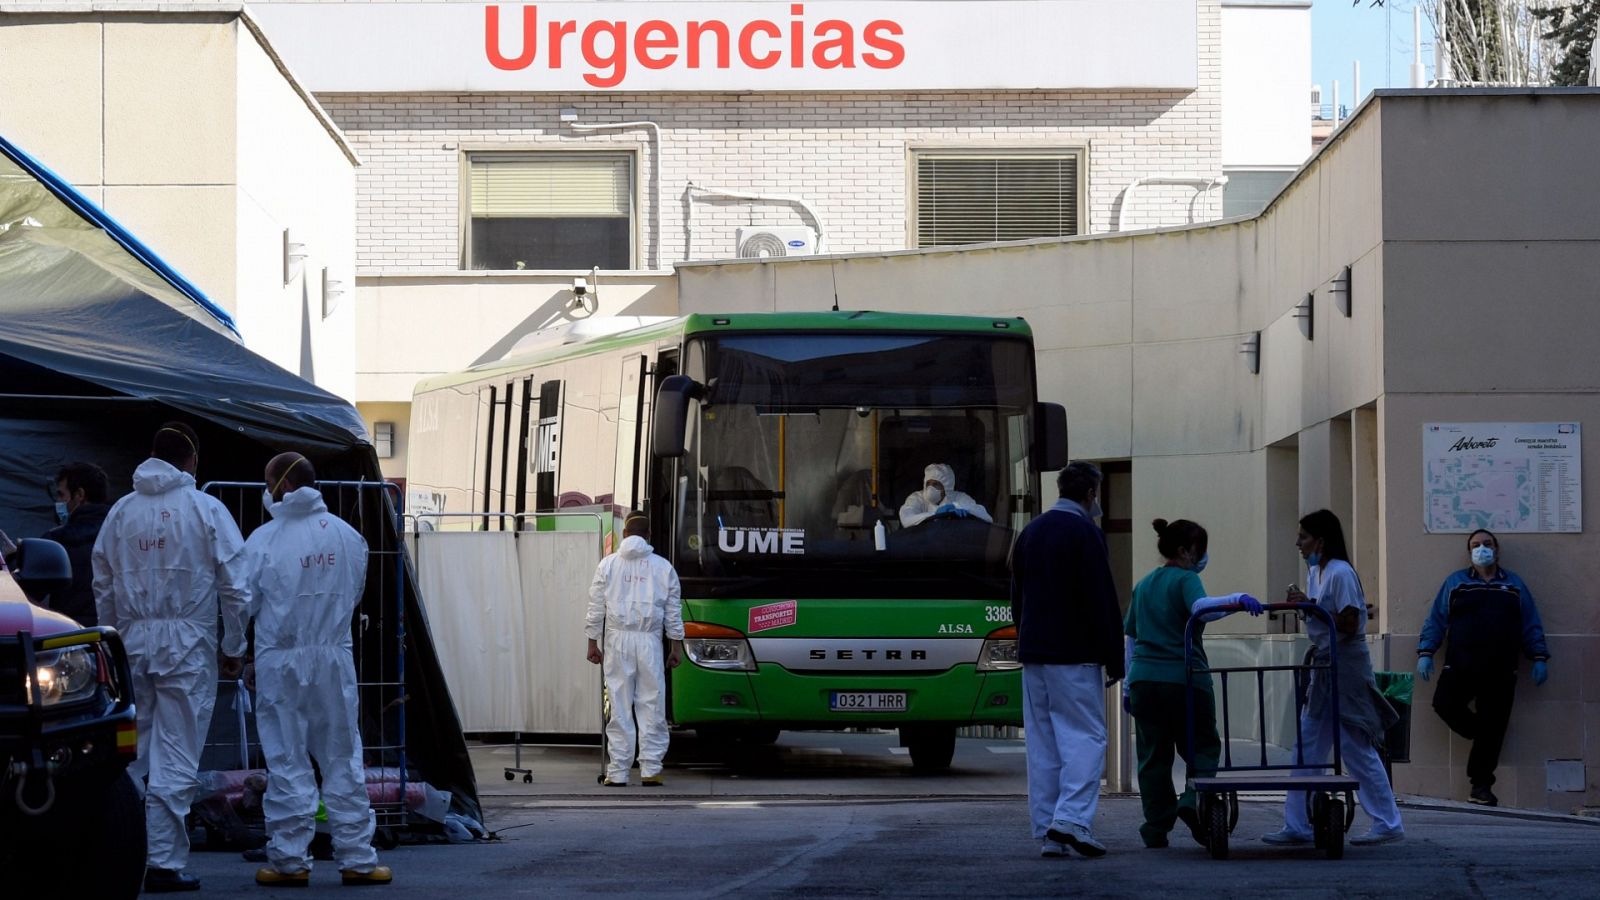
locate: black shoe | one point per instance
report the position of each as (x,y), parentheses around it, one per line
(1191,817)
(168,881)
(1482,796)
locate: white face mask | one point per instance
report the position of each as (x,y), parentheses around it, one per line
(1095,511)
(1482,555)
(933,494)
(266,500)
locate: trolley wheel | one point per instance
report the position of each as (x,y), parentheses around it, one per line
(528,778)
(1318,814)
(509,776)
(1334,829)
(1216,824)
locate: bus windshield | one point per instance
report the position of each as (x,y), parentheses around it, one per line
(805,444)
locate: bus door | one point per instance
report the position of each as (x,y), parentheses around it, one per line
(662,487)
(523,410)
(547,447)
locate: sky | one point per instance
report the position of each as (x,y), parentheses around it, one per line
(1342,33)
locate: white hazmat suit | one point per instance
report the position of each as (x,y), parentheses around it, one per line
(931,500)
(165,557)
(634,600)
(308,571)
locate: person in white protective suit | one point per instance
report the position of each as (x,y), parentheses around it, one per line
(308,569)
(939,497)
(166,557)
(634,601)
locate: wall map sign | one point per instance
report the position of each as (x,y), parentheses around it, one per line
(1504,476)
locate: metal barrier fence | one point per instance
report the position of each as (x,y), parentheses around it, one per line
(378,634)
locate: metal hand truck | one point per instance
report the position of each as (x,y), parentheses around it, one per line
(1330,794)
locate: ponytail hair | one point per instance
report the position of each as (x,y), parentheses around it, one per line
(1173,538)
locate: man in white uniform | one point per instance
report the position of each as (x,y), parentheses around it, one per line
(308,571)
(166,555)
(939,497)
(634,601)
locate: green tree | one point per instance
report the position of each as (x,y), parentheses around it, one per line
(1572,27)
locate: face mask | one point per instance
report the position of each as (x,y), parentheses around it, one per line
(1313,560)
(267,502)
(1482,556)
(1095,511)
(934,495)
(61,512)
(1201,565)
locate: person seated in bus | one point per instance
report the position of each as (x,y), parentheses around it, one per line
(939,497)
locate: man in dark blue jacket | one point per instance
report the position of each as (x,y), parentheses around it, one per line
(1489,616)
(1069,639)
(82,491)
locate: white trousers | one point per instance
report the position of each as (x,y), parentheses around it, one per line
(1361,762)
(635,672)
(307,708)
(1064,715)
(173,714)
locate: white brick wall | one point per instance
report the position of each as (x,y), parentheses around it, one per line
(846,154)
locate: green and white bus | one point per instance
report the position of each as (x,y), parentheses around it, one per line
(772,453)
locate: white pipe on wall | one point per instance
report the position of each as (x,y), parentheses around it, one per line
(655,199)
(709,191)
(1201,184)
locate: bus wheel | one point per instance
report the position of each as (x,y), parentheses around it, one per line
(932,746)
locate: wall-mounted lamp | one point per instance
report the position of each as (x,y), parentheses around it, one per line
(331,292)
(1341,291)
(1303,312)
(1250,349)
(383,439)
(292,253)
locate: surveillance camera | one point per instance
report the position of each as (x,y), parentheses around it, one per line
(580,286)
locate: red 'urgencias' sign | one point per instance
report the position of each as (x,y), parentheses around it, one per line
(609,46)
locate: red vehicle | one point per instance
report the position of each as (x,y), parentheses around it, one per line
(71,817)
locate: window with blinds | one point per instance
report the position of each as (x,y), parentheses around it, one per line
(550,211)
(968,198)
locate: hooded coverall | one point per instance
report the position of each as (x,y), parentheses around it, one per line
(308,572)
(166,556)
(634,600)
(929,502)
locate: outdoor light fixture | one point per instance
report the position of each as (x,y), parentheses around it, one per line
(1250,349)
(1341,291)
(1303,313)
(292,253)
(331,291)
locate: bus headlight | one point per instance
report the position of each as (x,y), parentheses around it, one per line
(717,647)
(999,652)
(65,675)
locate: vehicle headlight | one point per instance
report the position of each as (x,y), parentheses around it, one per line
(716,647)
(66,675)
(999,652)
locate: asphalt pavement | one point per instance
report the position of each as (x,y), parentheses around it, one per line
(830,815)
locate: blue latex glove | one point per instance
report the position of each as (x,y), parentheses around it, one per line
(1127,706)
(1425,667)
(945,508)
(1540,672)
(1250,605)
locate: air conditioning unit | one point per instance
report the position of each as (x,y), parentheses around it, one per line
(758,241)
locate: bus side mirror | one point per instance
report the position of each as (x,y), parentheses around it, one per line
(672,414)
(1049,437)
